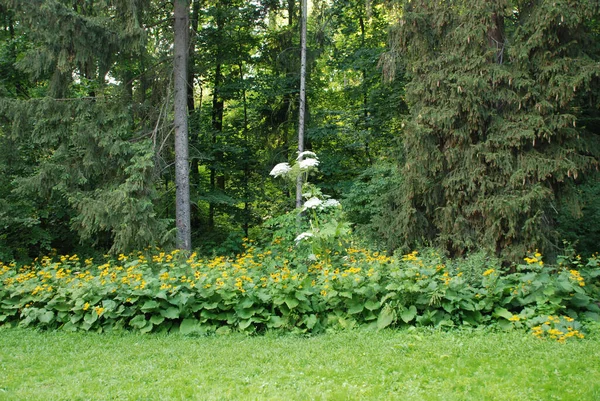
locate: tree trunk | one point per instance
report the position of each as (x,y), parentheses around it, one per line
(182,184)
(302,109)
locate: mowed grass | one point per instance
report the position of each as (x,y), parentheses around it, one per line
(353,365)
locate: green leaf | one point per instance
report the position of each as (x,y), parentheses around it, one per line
(149,306)
(565,285)
(61,307)
(372,304)
(210,305)
(275,322)
(311,321)
(505,324)
(188,326)
(245,323)
(138,322)
(46,317)
(291,302)
(90,317)
(386,317)
(263,296)
(147,328)
(580,300)
(355,307)
(448,306)
(408,314)
(501,312)
(245,303)
(223,330)
(170,313)
(467,305)
(300,295)
(156,319)
(109,304)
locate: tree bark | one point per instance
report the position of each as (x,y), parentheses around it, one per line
(182,179)
(302,109)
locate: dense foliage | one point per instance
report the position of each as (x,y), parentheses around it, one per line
(277,288)
(500,130)
(465,125)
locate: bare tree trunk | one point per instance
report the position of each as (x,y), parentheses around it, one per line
(182,178)
(302,110)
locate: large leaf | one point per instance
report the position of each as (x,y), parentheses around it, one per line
(188,326)
(60,306)
(408,314)
(170,313)
(291,302)
(245,323)
(311,321)
(372,304)
(580,300)
(386,317)
(275,322)
(355,307)
(46,317)
(501,312)
(245,313)
(149,306)
(138,322)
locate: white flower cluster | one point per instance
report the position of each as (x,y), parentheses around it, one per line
(283,169)
(306,153)
(330,203)
(312,203)
(310,161)
(315,202)
(303,236)
(280,169)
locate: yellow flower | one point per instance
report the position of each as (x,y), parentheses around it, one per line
(86,306)
(514,318)
(488,272)
(99,310)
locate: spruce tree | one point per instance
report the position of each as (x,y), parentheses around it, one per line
(82,167)
(493,138)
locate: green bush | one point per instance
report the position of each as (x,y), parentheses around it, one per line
(277,287)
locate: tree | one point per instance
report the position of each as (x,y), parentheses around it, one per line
(82,168)
(493,139)
(302,106)
(182,179)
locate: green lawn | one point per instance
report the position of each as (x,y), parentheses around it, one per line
(388,365)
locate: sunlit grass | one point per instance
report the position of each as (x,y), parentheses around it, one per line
(388,365)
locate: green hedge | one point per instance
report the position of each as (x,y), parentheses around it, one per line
(275,288)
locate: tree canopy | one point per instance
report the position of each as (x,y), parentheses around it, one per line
(464,124)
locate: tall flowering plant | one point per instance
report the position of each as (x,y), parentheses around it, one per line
(328,231)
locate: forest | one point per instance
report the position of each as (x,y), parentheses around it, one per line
(464,125)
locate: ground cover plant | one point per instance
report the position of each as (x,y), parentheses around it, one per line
(420,364)
(280,287)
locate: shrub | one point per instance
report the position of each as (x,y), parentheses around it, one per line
(275,288)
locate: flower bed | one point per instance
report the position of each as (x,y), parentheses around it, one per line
(275,288)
